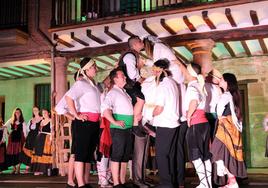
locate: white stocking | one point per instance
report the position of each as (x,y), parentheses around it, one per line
(208,172)
(200,170)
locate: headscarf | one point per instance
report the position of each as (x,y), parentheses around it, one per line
(161,70)
(153,39)
(200,79)
(89,64)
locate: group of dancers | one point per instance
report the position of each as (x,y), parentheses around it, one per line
(29,144)
(132,107)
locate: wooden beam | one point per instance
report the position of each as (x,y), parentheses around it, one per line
(31,70)
(207,20)
(123,29)
(103,61)
(180,56)
(3,77)
(112,58)
(41,68)
(189,24)
(229,49)
(147,29)
(247,33)
(96,39)
(110,34)
(61,41)
(73,67)
(19,71)
(78,40)
(245,46)
(230,18)
(254,17)
(215,58)
(167,27)
(10,74)
(263,46)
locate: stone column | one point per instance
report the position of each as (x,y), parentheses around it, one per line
(60,77)
(202,52)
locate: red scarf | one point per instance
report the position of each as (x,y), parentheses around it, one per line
(105,139)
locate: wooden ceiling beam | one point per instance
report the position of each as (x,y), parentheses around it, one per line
(104,62)
(148,29)
(230,18)
(31,70)
(112,58)
(180,56)
(263,46)
(167,27)
(214,56)
(123,29)
(246,48)
(10,74)
(248,33)
(110,34)
(189,24)
(78,40)
(61,41)
(41,68)
(254,17)
(19,71)
(96,39)
(73,67)
(229,49)
(207,20)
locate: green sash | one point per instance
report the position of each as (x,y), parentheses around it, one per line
(128,119)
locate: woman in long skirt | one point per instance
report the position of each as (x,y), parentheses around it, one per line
(227,144)
(42,152)
(17,132)
(32,129)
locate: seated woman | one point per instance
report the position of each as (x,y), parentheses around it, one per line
(42,152)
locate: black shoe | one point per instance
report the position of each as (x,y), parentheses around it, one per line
(70,186)
(119,186)
(88,185)
(140,184)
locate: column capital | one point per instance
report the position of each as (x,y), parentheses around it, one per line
(202,53)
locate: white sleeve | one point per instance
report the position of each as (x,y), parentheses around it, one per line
(75,91)
(61,107)
(107,103)
(132,71)
(161,51)
(28,127)
(5,134)
(160,98)
(24,129)
(194,94)
(8,126)
(223,101)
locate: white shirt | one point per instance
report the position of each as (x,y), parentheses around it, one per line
(86,96)
(62,107)
(5,135)
(212,97)
(193,93)
(162,51)
(118,101)
(167,97)
(131,63)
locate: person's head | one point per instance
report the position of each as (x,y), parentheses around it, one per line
(107,83)
(194,69)
(135,43)
(118,77)
(77,76)
(160,69)
(17,115)
(36,111)
(229,83)
(88,67)
(45,113)
(214,76)
(1,121)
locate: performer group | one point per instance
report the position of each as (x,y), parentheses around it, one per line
(160,98)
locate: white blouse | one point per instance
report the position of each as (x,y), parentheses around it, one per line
(86,96)
(131,63)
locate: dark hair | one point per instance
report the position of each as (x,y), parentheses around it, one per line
(84,61)
(21,118)
(113,74)
(38,112)
(130,40)
(44,109)
(232,87)
(197,68)
(75,75)
(164,64)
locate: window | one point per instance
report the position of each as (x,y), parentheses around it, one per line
(42,96)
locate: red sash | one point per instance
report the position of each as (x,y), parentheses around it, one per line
(199,116)
(94,117)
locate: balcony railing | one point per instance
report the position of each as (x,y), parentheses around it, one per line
(77,11)
(13,14)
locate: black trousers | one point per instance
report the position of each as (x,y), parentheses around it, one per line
(140,155)
(181,154)
(166,142)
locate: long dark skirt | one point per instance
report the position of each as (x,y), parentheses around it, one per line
(3,165)
(227,146)
(42,154)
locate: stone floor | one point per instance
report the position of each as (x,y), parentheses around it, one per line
(256,178)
